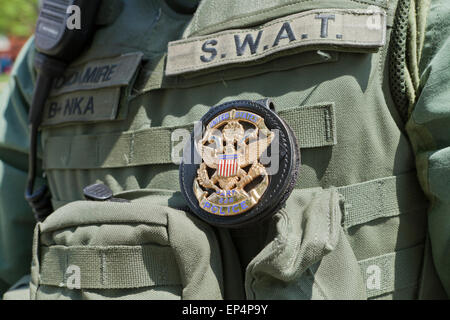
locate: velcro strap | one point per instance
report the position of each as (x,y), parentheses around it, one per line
(333,28)
(313,125)
(392,272)
(112,267)
(382,198)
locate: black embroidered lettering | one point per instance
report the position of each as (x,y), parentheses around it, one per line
(240,48)
(100,73)
(210,50)
(73,106)
(58,82)
(111,70)
(284,33)
(53,109)
(67,108)
(324,24)
(71,79)
(89,75)
(103,73)
(76,105)
(89,106)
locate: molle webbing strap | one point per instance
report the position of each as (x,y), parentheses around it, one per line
(122,267)
(382,198)
(393,271)
(313,125)
(112,267)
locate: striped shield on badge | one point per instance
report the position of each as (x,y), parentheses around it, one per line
(228,165)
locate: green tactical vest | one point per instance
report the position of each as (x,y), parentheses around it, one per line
(355,224)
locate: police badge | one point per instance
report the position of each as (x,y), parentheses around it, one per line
(241,166)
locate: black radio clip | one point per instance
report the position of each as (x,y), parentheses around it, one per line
(57,45)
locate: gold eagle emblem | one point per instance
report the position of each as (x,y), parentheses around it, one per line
(231,179)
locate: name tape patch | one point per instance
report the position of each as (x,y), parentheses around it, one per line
(98,74)
(82,106)
(354,28)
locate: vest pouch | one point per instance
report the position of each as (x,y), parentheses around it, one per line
(309,256)
(148,248)
(20,290)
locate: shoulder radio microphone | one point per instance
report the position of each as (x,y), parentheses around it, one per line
(57,44)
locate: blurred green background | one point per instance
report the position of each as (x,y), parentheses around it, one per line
(18,17)
(17,23)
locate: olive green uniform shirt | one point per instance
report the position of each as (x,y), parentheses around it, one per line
(428,128)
